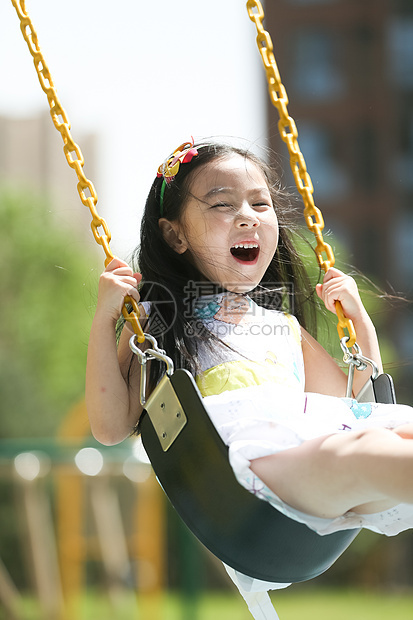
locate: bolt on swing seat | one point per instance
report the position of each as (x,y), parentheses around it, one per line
(191,463)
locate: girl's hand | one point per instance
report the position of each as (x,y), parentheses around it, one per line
(337,286)
(116,282)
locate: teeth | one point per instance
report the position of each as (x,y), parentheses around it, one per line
(246,246)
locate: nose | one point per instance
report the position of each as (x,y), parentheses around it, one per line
(246,217)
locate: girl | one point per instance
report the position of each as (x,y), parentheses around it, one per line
(226,293)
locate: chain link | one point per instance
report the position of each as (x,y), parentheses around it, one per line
(288,132)
(73,153)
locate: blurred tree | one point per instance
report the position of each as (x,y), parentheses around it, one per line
(46,298)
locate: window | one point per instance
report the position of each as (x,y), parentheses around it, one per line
(316,71)
(403,247)
(400,51)
(329,178)
(402,164)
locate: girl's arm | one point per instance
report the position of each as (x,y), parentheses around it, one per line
(113,405)
(322,373)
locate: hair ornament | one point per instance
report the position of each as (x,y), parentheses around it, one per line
(182,155)
(169,169)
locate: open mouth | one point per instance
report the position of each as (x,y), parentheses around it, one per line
(245,252)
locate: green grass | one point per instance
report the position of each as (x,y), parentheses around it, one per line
(343,605)
(292,604)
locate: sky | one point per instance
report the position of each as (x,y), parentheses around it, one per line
(142,76)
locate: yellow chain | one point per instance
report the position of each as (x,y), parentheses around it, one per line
(288,132)
(286,126)
(73,153)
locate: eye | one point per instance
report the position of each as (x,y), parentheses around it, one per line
(221,204)
(262,204)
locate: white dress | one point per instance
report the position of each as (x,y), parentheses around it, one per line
(253,391)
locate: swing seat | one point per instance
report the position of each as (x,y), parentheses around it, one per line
(378,390)
(191,464)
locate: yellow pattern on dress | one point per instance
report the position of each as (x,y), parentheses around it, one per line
(239,374)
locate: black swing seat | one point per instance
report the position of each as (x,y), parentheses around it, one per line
(379,390)
(191,464)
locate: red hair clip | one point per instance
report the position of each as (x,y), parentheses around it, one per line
(169,169)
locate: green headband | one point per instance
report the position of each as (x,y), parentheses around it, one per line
(169,169)
(163,187)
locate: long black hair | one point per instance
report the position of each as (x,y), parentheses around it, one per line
(166,274)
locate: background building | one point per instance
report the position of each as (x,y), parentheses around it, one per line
(348,70)
(32,158)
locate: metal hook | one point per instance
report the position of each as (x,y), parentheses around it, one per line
(145,356)
(356,360)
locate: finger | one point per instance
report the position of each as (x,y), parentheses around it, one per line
(328,288)
(333,290)
(332,273)
(129,280)
(124,275)
(340,289)
(330,295)
(116,263)
(133,293)
(138,277)
(330,304)
(332,285)
(341,295)
(336,284)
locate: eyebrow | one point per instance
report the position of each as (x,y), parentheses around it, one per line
(224,190)
(217,190)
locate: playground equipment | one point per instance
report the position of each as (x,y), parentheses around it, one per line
(78,480)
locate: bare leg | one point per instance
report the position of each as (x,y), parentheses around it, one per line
(405,431)
(367,471)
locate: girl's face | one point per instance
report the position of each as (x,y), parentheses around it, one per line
(229,226)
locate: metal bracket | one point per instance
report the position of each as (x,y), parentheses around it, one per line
(166,413)
(163,406)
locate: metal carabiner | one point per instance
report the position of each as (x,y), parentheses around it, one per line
(144,356)
(356,360)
